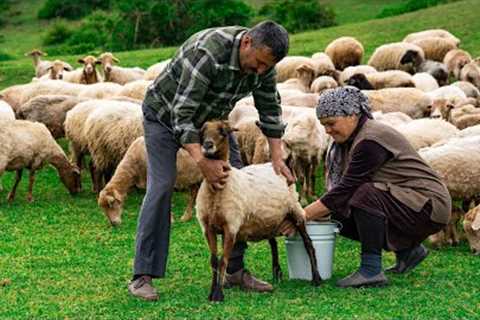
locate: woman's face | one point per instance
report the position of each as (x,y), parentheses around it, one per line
(340,128)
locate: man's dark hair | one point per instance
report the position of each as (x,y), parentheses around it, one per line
(271,35)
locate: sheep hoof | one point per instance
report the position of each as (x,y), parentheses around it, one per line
(216,296)
(277,275)
(10,197)
(30,199)
(317,280)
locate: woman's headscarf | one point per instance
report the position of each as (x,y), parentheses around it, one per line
(340,102)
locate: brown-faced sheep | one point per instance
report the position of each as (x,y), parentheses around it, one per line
(250,207)
(455,60)
(86,75)
(471,73)
(381,80)
(55,70)
(397,56)
(411,101)
(435,48)
(345,52)
(132,172)
(471,225)
(120,75)
(431,33)
(41,66)
(30,145)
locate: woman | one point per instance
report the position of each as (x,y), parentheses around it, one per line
(384,194)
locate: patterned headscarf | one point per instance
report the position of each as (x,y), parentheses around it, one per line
(340,102)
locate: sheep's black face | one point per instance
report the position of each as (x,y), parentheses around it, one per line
(214,139)
(360,81)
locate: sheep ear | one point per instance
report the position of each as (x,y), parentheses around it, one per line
(304,68)
(409,56)
(476,222)
(115,59)
(98,62)
(117,195)
(81,61)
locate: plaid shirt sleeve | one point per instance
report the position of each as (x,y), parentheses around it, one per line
(198,69)
(267,102)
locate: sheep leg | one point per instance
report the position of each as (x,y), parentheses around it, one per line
(18,177)
(188,213)
(316,279)
(96,178)
(228,243)
(31,180)
(212,245)
(276,270)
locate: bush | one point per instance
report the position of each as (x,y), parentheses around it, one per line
(299,15)
(65,49)
(58,33)
(5,56)
(4,11)
(409,6)
(71,9)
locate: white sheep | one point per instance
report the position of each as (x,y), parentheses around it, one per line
(86,75)
(55,71)
(393,119)
(397,56)
(101,90)
(6,112)
(471,225)
(468,88)
(154,70)
(425,81)
(41,66)
(381,80)
(321,84)
(471,73)
(250,207)
(431,33)
(435,48)
(411,101)
(348,72)
(135,89)
(320,65)
(345,52)
(455,60)
(30,145)
(50,110)
(452,94)
(120,75)
(426,132)
(132,172)
(302,81)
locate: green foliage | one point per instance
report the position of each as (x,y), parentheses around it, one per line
(70,9)
(58,33)
(5,56)
(408,6)
(299,15)
(4,11)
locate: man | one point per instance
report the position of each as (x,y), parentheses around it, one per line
(210,72)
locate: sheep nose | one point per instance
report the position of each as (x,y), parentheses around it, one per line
(108,69)
(60,76)
(435,116)
(208,145)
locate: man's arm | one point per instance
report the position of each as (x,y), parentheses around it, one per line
(275,145)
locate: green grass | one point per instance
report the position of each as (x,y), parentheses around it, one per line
(60,259)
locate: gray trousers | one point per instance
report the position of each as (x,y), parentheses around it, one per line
(153,229)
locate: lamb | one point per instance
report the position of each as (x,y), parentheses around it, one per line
(321,84)
(455,60)
(381,80)
(101,90)
(132,171)
(287,67)
(6,112)
(50,110)
(109,130)
(425,132)
(471,225)
(41,66)
(30,145)
(251,206)
(397,56)
(431,33)
(471,73)
(120,75)
(348,72)
(435,48)
(55,70)
(135,89)
(86,75)
(436,69)
(345,52)
(154,70)
(425,82)
(411,101)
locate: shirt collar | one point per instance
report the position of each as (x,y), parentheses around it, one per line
(234,58)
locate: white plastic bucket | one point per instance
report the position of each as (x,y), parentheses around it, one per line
(323,240)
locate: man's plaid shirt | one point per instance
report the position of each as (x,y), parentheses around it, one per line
(203,82)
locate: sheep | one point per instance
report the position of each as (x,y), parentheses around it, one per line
(455,60)
(411,101)
(393,119)
(462,117)
(471,225)
(250,207)
(345,52)
(381,80)
(450,93)
(154,70)
(49,110)
(468,88)
(135,89)
(348,72)
(101,90)
(399,55)
(252,143)
(132,171)
(55,70)
(41,66)
(6,112)
(320,65)
(86,75)
(30,145)
(109,130)
(436,69)
(321,84)
(120,75)
(304,76)
(432,33)
(435,48)
(425,81)
(425,132)
(471,73)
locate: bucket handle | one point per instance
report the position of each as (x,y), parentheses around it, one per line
(339,225)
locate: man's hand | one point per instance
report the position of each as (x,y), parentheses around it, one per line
(214,171)
(280,167)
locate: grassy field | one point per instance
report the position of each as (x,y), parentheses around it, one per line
(60,259)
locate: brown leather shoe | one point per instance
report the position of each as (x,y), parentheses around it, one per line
(244,279)
(143,288)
